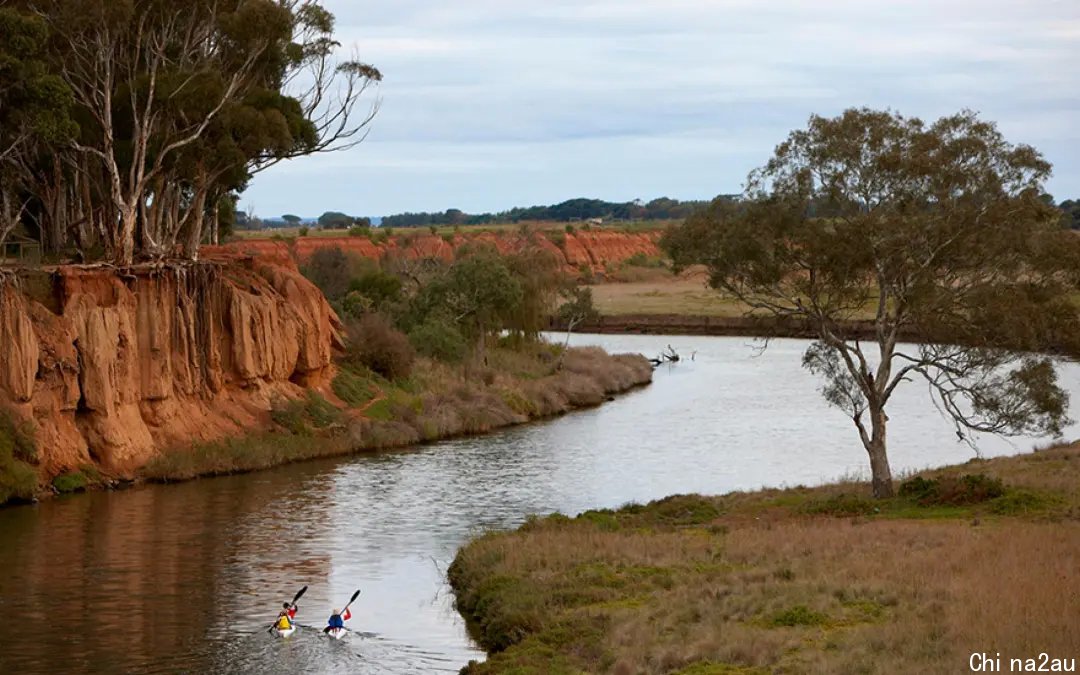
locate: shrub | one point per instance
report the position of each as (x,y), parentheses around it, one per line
(799,615)
(433,229)
(378,286)
(17,438)
(569,229)
(331,270)
(557,238)
(353,389)
(72,481)
(300,415)
(439,340)
(304,231)
(841,505)
(360,231)
(953,490)
(373,343)
(448,238)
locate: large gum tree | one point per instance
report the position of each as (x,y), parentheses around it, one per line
(871,227)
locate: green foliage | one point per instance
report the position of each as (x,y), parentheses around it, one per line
(360,231)
(479,291)
(304,231)
(304,416)
(18,479)
(291,219)
(335,220)
(952,490)
(378,286)
(799,615)
(72,481)
(373,343)
(939,231)
(843,504)
(438,339)
(17,438)
(353,388)
(331,270)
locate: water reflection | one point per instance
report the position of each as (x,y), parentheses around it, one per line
(186,578)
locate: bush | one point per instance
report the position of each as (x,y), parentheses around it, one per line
(72,481)
(353,389)
(433,229)
(378,286)
(448,238)
(569,229)
(557,238)
(360,231)
(301,415)
(373,343)
(953,490)
(304,231)
(17,439)
(331,270)
(799,615)
(439,340)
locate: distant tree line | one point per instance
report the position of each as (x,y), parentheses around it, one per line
(128,127)
(568,211)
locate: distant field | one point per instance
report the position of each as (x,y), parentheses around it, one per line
(638,226)
(686,295)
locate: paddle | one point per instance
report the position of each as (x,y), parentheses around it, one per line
(345,608)
(293,603)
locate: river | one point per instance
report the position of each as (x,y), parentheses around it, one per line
(186,578)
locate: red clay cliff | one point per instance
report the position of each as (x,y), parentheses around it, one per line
(113,368)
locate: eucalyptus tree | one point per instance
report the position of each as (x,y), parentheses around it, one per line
(34,110)
(936,232)
(179,106)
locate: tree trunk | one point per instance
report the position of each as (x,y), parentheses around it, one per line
(125,246)
(881,474)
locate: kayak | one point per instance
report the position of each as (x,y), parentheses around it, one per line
(284,632)
(337,633)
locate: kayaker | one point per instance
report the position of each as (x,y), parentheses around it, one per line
(286,616)
(337,620)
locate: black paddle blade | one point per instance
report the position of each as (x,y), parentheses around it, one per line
(354,596)
(298,594)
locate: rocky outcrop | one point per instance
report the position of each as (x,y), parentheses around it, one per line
(113,368)
(592,249)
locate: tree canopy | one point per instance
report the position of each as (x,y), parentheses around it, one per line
(170,113)
(570,210)
(937,232)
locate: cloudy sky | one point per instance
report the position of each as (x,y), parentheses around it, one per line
(489,104)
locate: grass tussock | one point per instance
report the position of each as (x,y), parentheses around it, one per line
(979,557)
(18,454)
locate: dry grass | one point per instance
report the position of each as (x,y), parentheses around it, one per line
(755,583)
(438,401)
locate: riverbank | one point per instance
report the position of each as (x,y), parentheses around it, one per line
(974,558)
(364,412)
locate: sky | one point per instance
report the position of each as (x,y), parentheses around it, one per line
(490,104)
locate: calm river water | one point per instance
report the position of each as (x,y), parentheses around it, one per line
(185,578)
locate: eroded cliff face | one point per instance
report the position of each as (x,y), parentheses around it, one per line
(114,368)
(592,249)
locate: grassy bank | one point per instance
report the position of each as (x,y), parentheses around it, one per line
(975,558)
(437,401)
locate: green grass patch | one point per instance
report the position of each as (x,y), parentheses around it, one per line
(799,615)
(18,451)
(352,388)
(72,481)
(304,416)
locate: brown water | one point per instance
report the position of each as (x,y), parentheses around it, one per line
(185,578)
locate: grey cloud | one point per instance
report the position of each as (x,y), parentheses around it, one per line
(493,103)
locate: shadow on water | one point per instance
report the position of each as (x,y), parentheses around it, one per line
(186,578)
